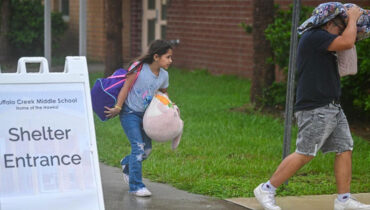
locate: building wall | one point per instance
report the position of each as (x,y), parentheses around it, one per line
(126,38)
(314,3)
(210,35)
(95,30)
(69,41)
(136,18)
(208,30)
(54,5)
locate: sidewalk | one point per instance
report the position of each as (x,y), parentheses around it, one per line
(311,202)
(165,197)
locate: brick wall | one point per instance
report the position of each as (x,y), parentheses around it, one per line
(210,37)
(126,38)
(135,29)
(314,3)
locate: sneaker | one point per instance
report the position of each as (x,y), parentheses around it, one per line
(126,177)
(351,203)
(143,192)
(265,198)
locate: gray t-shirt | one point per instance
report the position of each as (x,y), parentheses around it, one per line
(145,87)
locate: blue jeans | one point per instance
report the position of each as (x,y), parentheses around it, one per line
(141,146)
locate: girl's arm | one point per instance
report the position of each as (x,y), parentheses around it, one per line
(112,112)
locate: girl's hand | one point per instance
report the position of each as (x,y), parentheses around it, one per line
(112,112)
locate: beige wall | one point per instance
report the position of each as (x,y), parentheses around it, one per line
(95,28)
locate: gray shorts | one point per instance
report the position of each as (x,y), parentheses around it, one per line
(324,128)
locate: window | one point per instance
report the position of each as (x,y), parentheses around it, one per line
(151,4)
(163,31)
(151,30)
(64,9)
(164,10)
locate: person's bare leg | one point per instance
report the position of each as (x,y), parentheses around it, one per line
(288,167)
(343,171)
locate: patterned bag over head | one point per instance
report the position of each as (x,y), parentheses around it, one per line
(105,90)
(327,11)
(162,120)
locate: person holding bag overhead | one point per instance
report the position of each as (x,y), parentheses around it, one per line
(133,99)
(321,121)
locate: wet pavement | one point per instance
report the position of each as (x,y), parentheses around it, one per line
(307,202)
(165,197)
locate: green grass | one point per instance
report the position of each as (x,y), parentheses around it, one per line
(225,153)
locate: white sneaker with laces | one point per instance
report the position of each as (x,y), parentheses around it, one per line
(350,204)
(126,177)
(265,198)
(143,192)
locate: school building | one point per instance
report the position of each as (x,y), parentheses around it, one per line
(207,31)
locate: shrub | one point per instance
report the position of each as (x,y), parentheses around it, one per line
(274,96)
(26,32)
(356,88)
(278,33)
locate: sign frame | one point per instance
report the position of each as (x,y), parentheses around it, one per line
(75,72)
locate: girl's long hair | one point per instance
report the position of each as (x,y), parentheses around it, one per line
(159,47)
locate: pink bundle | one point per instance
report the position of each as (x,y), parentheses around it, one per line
(162,120)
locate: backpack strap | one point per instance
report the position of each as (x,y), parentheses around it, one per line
(134,65)
(123,76)
(119,82)
(117,76)
(138,71)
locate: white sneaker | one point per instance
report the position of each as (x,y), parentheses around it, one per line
(126,177)
(143,192)
(350,204)
(265,198)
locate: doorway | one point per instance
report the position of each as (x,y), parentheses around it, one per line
(154,22)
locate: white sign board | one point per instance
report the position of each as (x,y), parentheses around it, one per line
(48,153)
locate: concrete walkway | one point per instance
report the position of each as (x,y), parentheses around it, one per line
(315,202)
(165,197)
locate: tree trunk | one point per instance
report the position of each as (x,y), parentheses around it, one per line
(263,72)
(4,29)
(113,29)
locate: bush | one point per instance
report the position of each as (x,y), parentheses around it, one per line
(278,33)
(355,89)
(274,96)
(26,32)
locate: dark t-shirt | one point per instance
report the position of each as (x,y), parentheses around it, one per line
(318,81)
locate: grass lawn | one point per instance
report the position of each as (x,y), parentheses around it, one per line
(225,153)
